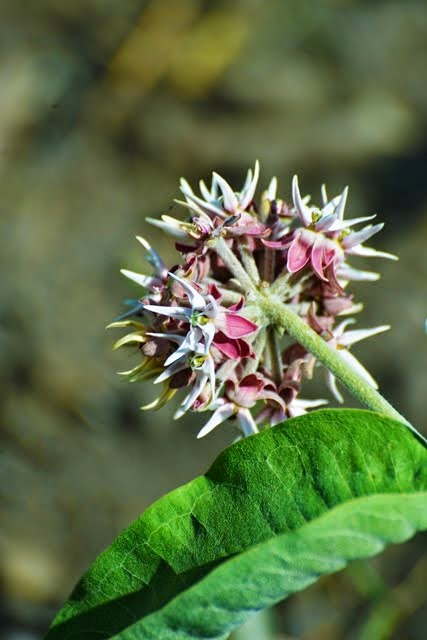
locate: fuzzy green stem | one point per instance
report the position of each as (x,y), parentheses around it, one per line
(275,358)
(282,317)
(232,263)
(258,346)
(249,263)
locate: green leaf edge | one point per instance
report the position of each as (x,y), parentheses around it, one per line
(217,604)
(173,624)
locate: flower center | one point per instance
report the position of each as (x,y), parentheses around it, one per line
(197,361)
(198,319)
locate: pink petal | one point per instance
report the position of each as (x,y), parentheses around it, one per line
(247,224)
(329,254)
(299,253)
(204,225)
(229,348)
(214,291)
(256,228)
(317,257)
(245,349)
(275,398)
(313,320)
(248,391)
(235,326)
(273,244)
(237,306)
(332,279)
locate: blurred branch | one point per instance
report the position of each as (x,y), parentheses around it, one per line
(396,605)
(261,626)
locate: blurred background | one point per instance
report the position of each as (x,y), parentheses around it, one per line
(104,106)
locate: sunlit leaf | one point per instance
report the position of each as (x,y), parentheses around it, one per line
(273,513)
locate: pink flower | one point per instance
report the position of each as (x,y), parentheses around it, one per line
(239,398)
(243,396)
(219,208)
(285,403)
(220,200)
(233,348)
(325,237)
(208,325)
(275,413)
(194,327)
(224,410)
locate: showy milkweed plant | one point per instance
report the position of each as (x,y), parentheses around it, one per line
(257,302)
(211,327)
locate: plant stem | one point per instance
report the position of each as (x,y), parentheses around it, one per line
(249,263)
(233,264)
(281,316)
(258,347)
(275,357)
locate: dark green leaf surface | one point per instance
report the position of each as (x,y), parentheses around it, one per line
(274,512)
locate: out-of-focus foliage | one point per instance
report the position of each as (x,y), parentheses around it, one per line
(104,105)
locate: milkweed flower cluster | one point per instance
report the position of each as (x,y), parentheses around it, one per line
(198,325)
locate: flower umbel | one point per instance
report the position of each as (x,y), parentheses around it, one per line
(201,325)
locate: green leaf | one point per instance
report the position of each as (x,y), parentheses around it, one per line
(273,513)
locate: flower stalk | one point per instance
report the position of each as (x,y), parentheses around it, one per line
(282,317)
(233,264)
(249,263)
(274,353)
